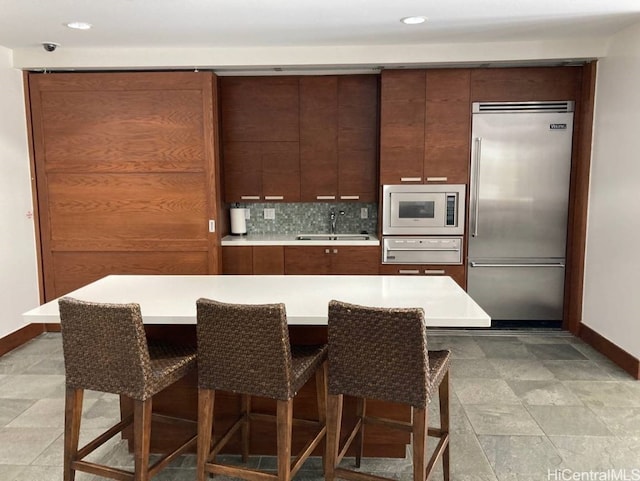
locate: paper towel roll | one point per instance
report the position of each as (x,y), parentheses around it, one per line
(238,221)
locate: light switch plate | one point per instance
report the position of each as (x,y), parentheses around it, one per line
(364,213)
(247,213)
(270,214)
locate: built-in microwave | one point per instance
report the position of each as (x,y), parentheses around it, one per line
(423,209)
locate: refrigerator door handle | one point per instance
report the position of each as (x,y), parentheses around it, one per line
(490,264)
(476,187)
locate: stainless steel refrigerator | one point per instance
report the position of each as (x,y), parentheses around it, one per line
(519,191)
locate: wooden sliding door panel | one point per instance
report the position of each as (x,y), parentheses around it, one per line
(156,130)
(126,169)
(76,269)
(133,206)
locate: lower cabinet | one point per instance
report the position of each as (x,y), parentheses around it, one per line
(457,273)
(339,260)
(257,260)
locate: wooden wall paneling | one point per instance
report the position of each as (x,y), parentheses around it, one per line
(213,171)
(402,117)
(125,166)
(268,260)
(447,134)
(579,195)
(524,83)
(318,137)
(358,136)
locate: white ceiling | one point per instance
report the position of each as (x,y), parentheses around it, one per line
(287,23)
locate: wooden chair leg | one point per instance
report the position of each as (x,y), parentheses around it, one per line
(443,392)
(361,410)
(321,396)
(141,438)
(420,418)
(246,426)
(206,398)
(284,427)
(72,417)
(334,420)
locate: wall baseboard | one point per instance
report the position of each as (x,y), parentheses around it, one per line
(19,337)
(618,355)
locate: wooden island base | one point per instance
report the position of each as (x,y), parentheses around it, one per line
(181,400)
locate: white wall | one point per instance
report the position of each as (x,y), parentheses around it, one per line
(18,272)
(611,296)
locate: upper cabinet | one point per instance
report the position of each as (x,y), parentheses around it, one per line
(425,126)
(305,138)
(260,138)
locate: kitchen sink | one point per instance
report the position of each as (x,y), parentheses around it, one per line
(333,237)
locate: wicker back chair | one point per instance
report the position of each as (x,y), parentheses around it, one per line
(105,349)
(245,349)
(381,353)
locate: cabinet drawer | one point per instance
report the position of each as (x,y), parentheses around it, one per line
(457,273)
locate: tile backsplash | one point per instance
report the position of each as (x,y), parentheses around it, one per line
(311,217)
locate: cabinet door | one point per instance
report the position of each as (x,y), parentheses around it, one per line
(447,126)
(402,121)
(355,260)
(457,273)
(305,260)
(280,171)
(237,260)
(268,260)
(357,138)
(242,171)
(318,138)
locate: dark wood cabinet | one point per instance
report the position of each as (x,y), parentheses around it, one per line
(338,260)
(447,126)
(253,260)
(300,138)
(457,273)
(261,138)
(402,120)
(358,138)
(338,138)
(425,126)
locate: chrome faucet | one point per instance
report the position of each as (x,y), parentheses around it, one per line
(332,219)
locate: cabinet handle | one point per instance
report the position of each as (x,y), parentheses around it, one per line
(273,197)
(250,197)
(434,272)
(410,179)
(325,197)
(326,251)
(436,179)
(349,197)
(408,271)
(335,251)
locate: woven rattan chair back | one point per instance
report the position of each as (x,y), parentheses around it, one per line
(105,348)
(378,353)
(244,349)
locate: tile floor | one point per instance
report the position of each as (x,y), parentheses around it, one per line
(526,405)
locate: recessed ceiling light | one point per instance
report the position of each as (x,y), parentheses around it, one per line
(413,20)
(79,25)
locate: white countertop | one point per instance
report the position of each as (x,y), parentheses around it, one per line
(290,240)
(166,299)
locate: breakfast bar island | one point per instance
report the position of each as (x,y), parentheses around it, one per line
(168,306)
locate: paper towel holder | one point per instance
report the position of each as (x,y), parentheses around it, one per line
(238,220)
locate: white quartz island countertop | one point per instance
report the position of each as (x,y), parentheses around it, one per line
(167,299)
(290,240)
